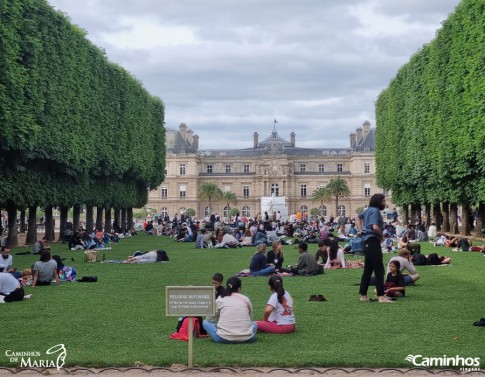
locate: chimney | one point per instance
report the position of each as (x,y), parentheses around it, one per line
(293,139)
(255,139)
(352,139)
(358,131)
(190,136)
(195,144)
(183,130)
(366,127)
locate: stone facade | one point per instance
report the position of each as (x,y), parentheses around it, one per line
(272,166)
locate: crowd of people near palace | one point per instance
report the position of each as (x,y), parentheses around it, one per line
(233,320)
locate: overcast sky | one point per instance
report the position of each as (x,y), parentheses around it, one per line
(228,68)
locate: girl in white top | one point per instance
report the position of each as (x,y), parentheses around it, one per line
(278,317)
(234,314)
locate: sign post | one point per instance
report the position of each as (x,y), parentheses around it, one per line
(190,301)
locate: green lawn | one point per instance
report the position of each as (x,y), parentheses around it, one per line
(120,320)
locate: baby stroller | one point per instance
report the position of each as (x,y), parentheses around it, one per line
(67,232)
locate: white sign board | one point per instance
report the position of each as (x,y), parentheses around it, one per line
(190,301)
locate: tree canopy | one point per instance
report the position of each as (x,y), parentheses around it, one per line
(75,127)
(430,119)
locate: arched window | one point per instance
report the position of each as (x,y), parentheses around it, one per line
(275,189)
(206,211)
(246,211)
(303,209)
(323,211)
(164,212)
(341,210)
(226,212)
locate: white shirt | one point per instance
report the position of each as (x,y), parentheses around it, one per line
(5,263)
(235,314)
(8,283)
(282,313)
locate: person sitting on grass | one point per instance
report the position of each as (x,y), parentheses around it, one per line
(464,244)
(275,256)
(278,316)
(88,242)
(228,241)
(394,285)
(44,270)
(307,265)
(39,245)
(259,265)
(247,239)
(405,262)
(6,261)
(10,289)
(234,313)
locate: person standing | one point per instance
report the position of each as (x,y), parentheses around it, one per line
(371,225)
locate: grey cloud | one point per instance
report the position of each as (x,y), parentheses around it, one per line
(317,66)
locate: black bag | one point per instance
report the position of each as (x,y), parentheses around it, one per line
(88,279)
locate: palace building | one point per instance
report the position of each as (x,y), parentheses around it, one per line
(270,167)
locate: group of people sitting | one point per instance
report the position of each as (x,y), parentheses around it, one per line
(82,240)
(233,321)
(43,271)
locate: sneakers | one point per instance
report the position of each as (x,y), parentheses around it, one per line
(28,297)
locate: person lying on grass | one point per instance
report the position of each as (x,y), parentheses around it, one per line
(278,316)
(234,313)
(148,257)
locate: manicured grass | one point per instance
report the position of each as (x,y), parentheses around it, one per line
(120,320)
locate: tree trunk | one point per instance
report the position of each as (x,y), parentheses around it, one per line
(336,207)
(99,218)
(480,220)
(437,215)
(465,219)
(454,218)
(107,220)
(49,225)
(22,228)
(129,218)
(446,217)
(413,213)
(76,216)
(89,219)
(405,214)
(32,226)
(12,240)
(427,211)
(117,216)
(63,221)
(124,225)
